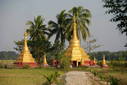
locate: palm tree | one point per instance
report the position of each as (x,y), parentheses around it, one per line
(37,29)
(58,28)
(82,17)
(38,33)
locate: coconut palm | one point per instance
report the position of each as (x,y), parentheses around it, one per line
(37,29)
(82,17)
(58,28)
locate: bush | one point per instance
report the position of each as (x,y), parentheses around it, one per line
(113,81)
(51,79)
(65,62)
(1,65)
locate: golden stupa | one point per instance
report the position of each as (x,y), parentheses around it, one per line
(45,64)
(94,61)
(74,50)
(104,64)
(25,57)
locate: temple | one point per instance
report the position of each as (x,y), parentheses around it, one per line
(74,50)
(25,57)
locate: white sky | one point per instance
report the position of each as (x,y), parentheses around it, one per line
(15,13)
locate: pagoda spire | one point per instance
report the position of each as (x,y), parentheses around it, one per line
(74,29)
(25,42)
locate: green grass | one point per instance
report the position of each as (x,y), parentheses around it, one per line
(25,76)
(7,61)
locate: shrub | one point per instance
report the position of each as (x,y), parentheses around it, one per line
(1,65)
(51,79)
(65,62)
(113,80)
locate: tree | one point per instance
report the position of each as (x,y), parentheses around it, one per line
(58,28)
(38,35)
(91,45)
(82,17)
(8,55)
(37,29)
(19,45)
(118,8)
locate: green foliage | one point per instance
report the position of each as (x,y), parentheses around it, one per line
(52,78)
(65,62)
(8,55)
(82,17)
(58,28)
(118,8)
(19,45)
(56,50)
(94,73)
(120,55)
(113,80)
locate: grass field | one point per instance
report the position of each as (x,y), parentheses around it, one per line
(119,73)
(25,76)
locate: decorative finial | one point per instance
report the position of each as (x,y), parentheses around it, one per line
(25,35)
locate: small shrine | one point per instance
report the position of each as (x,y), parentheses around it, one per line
(74,50)
(25,57)
(45,64)
(94,61)
(104,64)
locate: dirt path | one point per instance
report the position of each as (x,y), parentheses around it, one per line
(80,78)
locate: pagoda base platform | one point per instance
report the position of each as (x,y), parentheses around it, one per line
(88,63)
(105,66)
(45,65)
(20,64)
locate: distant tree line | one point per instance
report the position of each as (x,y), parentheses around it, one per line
(8,55)
(120,55)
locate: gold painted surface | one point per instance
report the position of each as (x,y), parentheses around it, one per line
(74,49)
(103,61)
(45,60)
(25,56)
(94,61)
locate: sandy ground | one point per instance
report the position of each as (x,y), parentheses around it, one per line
(81,78)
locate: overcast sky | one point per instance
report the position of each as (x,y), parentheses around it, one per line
(15,13)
